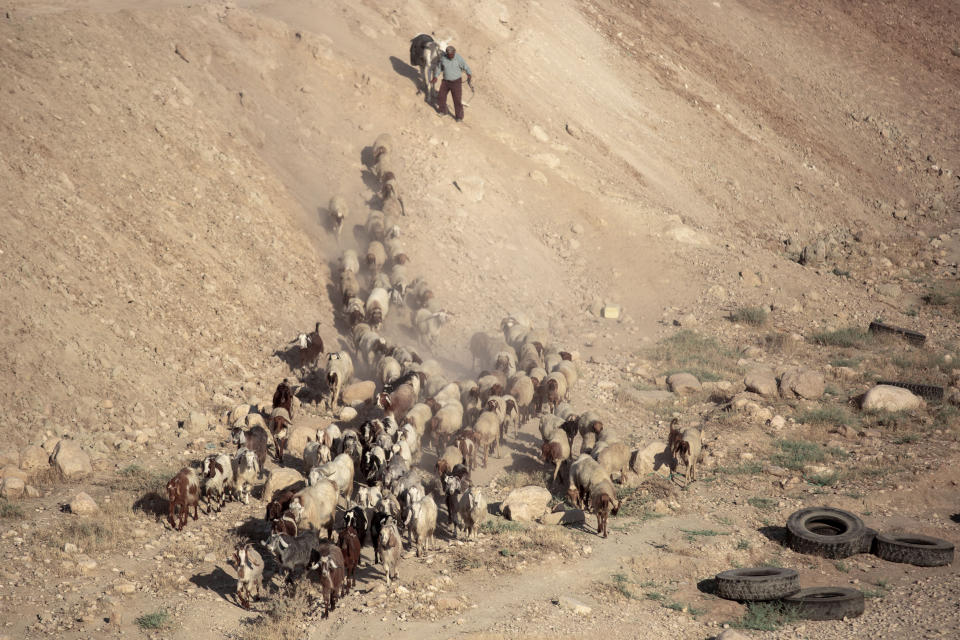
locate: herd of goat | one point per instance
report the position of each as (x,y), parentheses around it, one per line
(367,463)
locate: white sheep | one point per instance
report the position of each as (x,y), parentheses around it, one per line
(349,261)
(340,471)
(377,307)
(389,546)
(338,211)
(428,323)
(339,372)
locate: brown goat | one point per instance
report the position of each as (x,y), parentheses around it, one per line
(279,503)
(328,563)
(256,439)
(183,492)
(349,543)
(279,428)
(311,348)
(286,523)
(283,396)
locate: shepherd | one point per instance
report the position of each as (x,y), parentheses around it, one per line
(453,66)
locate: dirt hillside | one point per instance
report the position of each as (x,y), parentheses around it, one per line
(750,182)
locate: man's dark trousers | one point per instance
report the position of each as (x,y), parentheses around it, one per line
(455,87)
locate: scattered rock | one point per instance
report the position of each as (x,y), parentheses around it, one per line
(86,564)
(448,604)
(71,460)
(280,478)
(9,456)
(32,492)
(778,422)
(69,547)
(347,414)
(82,504)
(730,634)
(610,311)
(885,397)
(526,503)
(574,131)
(801,382)
(683,383)
(12,488)
(762,382)
(537,176)
(472,187)
(686,320)
(537,132)
(889,290)
(574,605)
(197,421)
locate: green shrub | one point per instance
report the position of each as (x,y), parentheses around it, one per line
(753,316)
(848,338)
(10,510)
(826,414)
(156,620)
(766,616)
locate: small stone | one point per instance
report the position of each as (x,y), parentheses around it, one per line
(447,603)
(526,503)
(574,131)
(802,382)
(86,564)
(69,547)
(83,504)
(537,132)
(574,605)
(778,422)
(610,311)
(577,228)
(197,421)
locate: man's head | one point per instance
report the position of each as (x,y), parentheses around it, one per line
(451,51)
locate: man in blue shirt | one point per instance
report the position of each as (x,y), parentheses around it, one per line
(453,66)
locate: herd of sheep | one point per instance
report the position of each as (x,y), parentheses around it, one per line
(363,471)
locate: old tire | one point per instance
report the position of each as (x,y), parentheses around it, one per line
(868,541)
(825,531)
(757,584)
(826,603)
(912,548)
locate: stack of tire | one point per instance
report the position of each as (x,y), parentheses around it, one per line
(835,533)
(830,533)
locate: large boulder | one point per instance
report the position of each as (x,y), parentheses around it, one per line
(9,455)
(34,458)
(71,460)
(651,458)
(280,478)
(298,437)
(526,503)
(683,383)
(800,382)
(83,505)
(762,382)
(885,397)
(12,488)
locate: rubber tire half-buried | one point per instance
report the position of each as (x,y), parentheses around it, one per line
(757,584)
(912,548)
(825,531)
(826,603)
